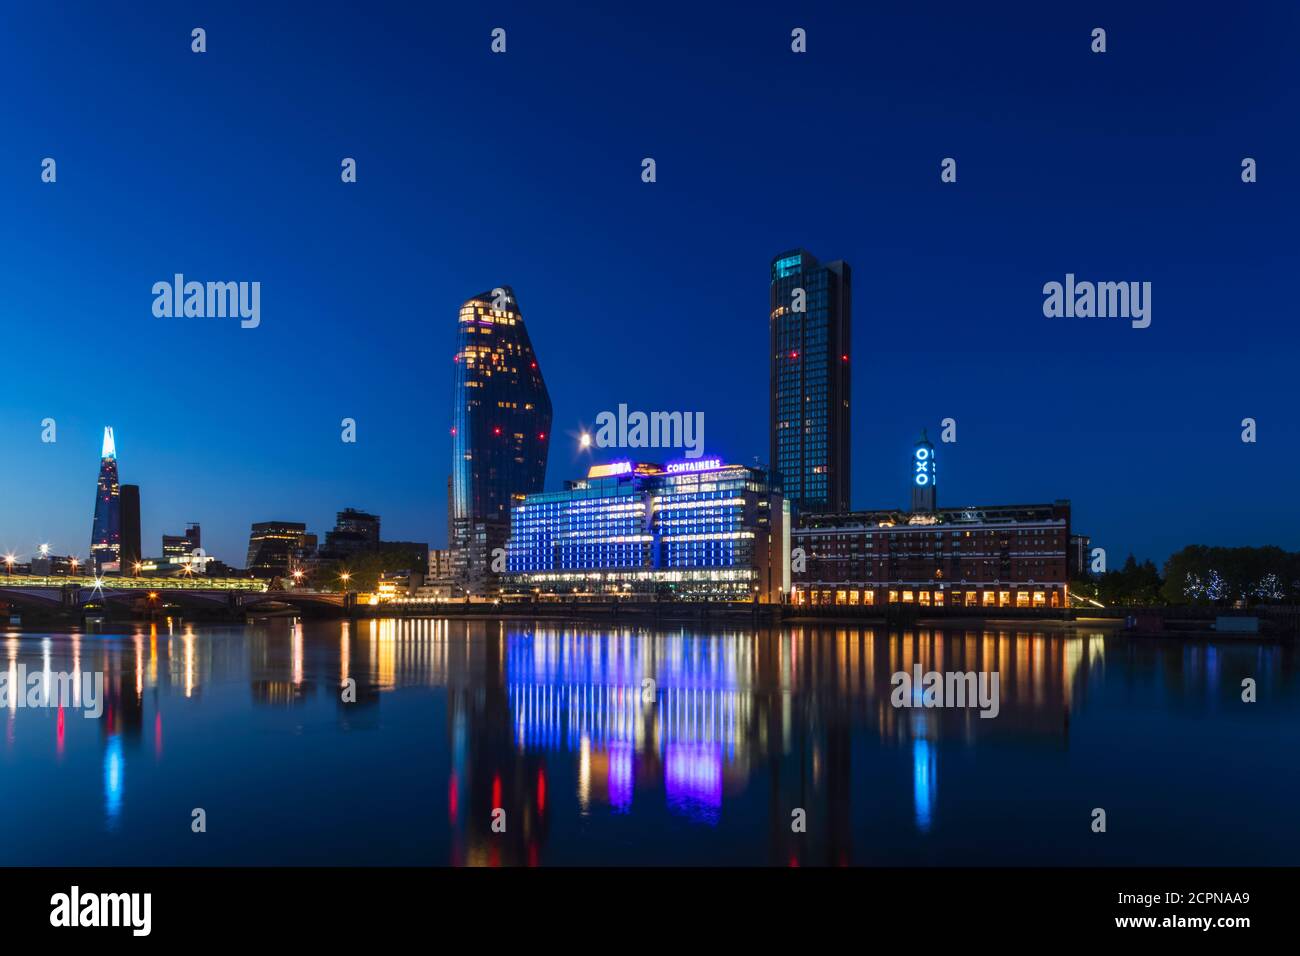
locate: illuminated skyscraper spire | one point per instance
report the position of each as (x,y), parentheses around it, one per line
(106,532)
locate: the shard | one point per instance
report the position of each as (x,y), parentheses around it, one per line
(106,534)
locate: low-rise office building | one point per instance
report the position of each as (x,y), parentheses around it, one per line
(697,529)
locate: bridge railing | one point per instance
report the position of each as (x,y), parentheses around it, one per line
(187,583)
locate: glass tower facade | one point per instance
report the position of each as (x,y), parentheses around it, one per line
(354,531)
(276,547)
(811,312)
(697,529)
(106,532)
(500,434)
(176,547)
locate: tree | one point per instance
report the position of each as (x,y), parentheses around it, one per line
(1131,584)
(1199,574)
(363,568)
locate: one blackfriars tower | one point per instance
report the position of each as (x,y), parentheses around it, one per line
(500,434)
(811,314)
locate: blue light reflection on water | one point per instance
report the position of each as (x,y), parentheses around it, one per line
(114,768)
(923,782)
(625,745)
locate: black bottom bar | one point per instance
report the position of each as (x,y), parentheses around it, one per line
(670,906)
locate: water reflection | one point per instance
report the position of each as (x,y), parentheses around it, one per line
(588,730)
(113,770)
(923,782)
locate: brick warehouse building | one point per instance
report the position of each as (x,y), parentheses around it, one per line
(1002,556)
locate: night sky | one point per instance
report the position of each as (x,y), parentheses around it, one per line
(477,170)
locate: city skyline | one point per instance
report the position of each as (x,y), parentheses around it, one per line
(629,299)
(604,438)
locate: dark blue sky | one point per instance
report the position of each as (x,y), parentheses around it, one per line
(477,170)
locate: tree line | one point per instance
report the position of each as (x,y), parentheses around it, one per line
(1201,575)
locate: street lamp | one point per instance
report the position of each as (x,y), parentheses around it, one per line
(345,577)
(9,560)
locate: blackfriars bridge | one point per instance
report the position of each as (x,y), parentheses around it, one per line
(74,594)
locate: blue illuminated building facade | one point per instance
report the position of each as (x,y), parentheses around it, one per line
(697,530)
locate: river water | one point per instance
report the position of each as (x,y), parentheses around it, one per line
(439,742)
